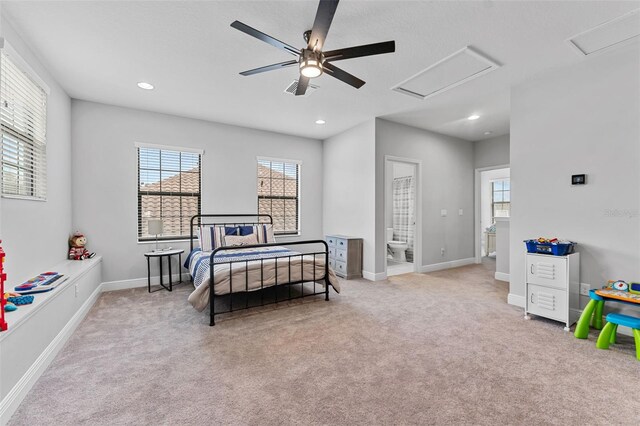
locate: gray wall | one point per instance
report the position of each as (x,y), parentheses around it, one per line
(446,183)
(349,188)
(502,247)
(491,152)
(34,233)
(105,166)
(579,119)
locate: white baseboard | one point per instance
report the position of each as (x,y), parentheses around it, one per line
(501,276)
(124,284)
(514,299)
(372,276)
(447,265)
(12,401)
(139,282)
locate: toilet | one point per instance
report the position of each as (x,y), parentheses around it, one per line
(398,248)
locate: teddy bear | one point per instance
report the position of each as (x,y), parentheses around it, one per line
(77,250)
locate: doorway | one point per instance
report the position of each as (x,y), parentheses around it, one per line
(493,200)
(401,215)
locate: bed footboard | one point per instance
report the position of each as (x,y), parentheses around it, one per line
(310,262)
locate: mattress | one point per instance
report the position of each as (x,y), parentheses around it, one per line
(252,269)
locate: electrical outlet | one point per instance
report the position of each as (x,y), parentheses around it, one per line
(584,289)
(460,212)
(442,251)
(76,287)
(443,212)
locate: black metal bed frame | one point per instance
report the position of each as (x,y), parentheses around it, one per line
(201,220)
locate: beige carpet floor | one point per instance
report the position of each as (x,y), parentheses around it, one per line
(439,348)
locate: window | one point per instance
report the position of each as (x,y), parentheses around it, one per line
(168,189)
(278,194)
(23,127)
(501,199)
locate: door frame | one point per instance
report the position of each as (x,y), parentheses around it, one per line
(476,207)
(417,237)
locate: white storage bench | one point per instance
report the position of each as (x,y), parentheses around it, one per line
(38,331)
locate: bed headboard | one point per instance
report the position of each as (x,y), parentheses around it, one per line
(226,220)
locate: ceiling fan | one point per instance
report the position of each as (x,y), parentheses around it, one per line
(312,61)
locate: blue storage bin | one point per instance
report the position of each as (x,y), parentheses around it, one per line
(555,249)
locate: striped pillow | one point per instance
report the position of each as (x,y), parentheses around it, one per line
(212,237)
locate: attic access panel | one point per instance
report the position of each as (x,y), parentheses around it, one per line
(608,34)
(462,66)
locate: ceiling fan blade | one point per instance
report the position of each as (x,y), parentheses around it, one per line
(264,37)
(341,75)
(270,67)
(303,83)
(359,51)
(324,16)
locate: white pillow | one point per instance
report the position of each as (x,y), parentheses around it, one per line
(240,240)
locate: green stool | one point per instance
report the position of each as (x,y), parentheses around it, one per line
(608,333)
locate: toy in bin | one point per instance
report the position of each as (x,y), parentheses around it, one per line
(551,246)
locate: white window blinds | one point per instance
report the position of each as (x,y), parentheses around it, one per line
(23,124)
(168,189)
(278,194)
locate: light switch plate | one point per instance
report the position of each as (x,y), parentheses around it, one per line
(584,289)
(443,212)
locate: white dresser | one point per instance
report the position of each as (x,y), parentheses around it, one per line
(345,255)
(553,287)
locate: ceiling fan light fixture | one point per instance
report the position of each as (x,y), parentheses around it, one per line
(312,60)
(311,63)
(310,67)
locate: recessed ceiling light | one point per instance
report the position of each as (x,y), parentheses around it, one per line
(146,86)
(473,117)
(488,133)
(320,121)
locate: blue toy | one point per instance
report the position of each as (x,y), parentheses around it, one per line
(20,300)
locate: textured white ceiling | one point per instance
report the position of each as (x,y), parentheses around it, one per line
(99,50)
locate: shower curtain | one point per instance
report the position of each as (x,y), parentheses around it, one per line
(403,212)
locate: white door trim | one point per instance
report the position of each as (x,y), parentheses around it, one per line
(417,238)
(476,207)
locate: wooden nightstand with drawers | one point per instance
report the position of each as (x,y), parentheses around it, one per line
(345,255)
